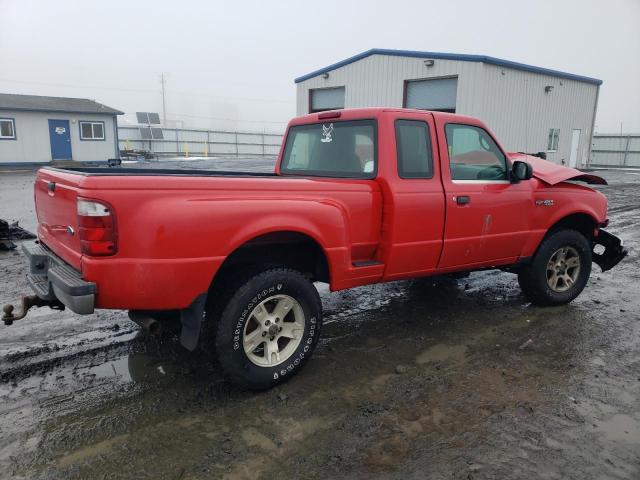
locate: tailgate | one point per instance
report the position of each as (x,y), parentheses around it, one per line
(55,197)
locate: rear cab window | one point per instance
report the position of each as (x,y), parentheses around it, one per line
(474,155)
(344,149)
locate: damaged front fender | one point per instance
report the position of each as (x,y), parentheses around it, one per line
(613,252)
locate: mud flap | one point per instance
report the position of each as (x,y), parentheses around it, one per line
(191,319)
(613,250)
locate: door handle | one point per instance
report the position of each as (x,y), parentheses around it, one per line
(463,200)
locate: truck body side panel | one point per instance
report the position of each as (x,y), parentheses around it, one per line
(174,232)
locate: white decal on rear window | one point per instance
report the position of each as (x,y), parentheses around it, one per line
(326,133)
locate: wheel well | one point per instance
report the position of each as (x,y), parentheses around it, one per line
(278,249)
(582,222)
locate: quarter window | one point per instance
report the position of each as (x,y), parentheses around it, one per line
(473,155)
(413,148)
(7,129)
(91,130)
(554,137)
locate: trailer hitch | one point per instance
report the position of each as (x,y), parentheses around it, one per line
(28,301)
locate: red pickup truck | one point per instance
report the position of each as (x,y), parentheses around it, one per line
(357,197)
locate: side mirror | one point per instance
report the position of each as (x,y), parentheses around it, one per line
(521,171)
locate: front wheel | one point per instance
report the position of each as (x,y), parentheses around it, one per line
(559,270)
(269,329)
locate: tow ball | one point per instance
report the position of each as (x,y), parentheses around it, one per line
(28,301)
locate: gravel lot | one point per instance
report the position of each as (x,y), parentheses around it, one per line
(433,378)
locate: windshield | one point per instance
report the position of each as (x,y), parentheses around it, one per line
(332,149)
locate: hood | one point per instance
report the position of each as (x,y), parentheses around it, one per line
(552,173)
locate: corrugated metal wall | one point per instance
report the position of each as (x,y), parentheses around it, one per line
(615,150)
(512,102)
(378,80)
(516,107)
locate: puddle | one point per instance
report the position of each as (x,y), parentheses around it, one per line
(135,367)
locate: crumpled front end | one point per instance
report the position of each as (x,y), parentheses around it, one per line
(613,252)
(552,173)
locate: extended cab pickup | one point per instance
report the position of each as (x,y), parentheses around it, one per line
(357,197)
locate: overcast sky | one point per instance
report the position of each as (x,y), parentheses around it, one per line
(231,64)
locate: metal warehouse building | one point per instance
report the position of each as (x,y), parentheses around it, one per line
(36,130)
(530,109)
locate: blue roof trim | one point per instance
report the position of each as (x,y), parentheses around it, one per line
(450,56)
(49,110)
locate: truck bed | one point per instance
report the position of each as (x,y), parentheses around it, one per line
(151,172)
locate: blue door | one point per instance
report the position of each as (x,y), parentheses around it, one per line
(60,139)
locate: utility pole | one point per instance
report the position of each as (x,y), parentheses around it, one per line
(164,106)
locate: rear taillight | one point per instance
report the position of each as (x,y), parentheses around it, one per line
(96,228)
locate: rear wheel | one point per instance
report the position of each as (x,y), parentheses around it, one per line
(559,271)
(268,329)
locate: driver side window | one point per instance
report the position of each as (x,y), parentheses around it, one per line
(473,155)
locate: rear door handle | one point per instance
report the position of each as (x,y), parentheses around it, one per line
(463,200)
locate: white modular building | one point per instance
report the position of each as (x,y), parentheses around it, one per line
(37,130)
(530,109)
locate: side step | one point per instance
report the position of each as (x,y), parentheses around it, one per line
(366,263)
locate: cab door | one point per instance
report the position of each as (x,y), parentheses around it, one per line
(487,216)
(413,213)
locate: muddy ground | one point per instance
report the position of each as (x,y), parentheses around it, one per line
(434,378)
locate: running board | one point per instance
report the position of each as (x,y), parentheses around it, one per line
(366,263)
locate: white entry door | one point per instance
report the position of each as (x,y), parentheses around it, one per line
(575,144)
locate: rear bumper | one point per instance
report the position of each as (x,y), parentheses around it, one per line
(613,252)
(50,278)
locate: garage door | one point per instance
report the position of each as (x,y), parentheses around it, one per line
(434,94)
(327,99)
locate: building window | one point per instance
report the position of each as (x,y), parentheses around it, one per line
(554,136)
(322,99)
(435,94)
(7,129)
(413,147)
(91,130)
(473,155)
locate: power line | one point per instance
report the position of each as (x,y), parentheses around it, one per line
(139,90)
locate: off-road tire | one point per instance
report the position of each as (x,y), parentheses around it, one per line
(533,277)
(230,328)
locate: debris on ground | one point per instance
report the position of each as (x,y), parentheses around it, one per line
(12,231)
(526,344)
